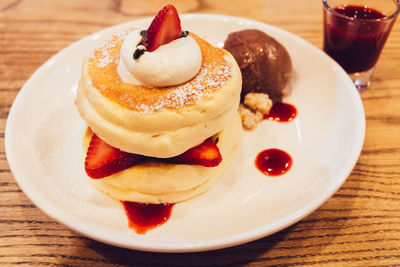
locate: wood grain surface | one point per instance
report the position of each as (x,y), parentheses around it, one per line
(358,226)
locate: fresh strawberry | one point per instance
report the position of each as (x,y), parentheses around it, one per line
(103,160)
(164,28)
(206,154)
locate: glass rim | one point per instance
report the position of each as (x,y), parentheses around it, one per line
(388,17)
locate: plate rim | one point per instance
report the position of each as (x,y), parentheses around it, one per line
(80,227)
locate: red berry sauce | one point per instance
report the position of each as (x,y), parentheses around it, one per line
(143,217)
(273,162)
(355,43)
(281,112)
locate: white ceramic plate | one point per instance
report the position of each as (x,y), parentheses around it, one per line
(44,135)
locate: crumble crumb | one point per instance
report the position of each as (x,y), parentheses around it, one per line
(255,106)
(259,102)
(249,118)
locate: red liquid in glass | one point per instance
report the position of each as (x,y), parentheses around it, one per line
(273,162)
(143,217)
(281,112)
(355,43)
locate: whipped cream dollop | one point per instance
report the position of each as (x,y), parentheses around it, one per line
(170,64)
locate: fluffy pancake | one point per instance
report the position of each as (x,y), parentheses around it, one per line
(158,122)
(157,182)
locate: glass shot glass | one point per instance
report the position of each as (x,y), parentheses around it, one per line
(355,32)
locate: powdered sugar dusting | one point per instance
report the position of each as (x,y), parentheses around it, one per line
(105,60)
(105,55)
(202,85)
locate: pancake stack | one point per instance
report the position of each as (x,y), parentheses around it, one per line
(160,127)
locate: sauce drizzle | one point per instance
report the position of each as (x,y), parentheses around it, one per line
(143,217)
(281,112)
(273,162)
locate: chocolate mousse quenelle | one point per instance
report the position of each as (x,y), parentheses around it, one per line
(266,68)
(161,106)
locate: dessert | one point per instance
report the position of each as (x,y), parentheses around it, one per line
(161,109)
(254,108)
(273,162)
(266,69)
(265,64)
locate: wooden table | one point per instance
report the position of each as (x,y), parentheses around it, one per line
(359,225)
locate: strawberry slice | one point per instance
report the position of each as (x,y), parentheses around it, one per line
(103,160)
(206,154)
(164,28)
